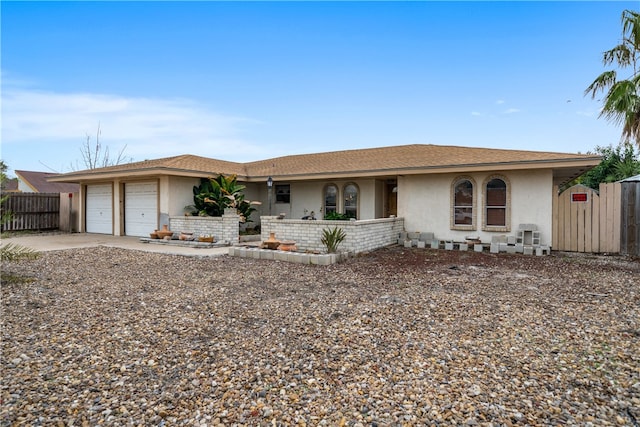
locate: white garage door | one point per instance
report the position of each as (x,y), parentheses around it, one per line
(99,215)
(140,208)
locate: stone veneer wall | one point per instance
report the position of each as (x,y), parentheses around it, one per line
(362,236)
(223,229)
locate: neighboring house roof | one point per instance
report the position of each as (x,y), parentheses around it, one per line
(37,182)
(372,162)
(10,185)
(635,178)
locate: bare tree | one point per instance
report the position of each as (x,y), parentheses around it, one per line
(95,155)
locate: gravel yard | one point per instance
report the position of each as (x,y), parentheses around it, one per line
(397,337)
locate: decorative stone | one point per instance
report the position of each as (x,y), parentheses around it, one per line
(408,243)
(435,244)
(422,244)
(448,246)
(478,247)
(464,247)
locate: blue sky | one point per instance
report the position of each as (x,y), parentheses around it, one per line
(247,81)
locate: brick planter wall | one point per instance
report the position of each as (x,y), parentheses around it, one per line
(362,236)
(224,229)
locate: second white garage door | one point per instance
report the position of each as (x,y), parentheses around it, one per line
(140,208)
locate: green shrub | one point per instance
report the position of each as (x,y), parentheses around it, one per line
(336,216)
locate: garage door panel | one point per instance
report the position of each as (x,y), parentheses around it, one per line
(99,209)
(141,208)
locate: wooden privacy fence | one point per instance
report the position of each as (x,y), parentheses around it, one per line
(630,227)
(41,211)
(587,221)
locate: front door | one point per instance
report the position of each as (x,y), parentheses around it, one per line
(392,200)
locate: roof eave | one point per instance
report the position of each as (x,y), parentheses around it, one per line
(142,172)
(421,170)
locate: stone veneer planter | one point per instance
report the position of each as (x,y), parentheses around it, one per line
(295,257)
(361,235)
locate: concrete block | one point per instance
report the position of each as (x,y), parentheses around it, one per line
(232,251)
(511,240)
(281,256)
(495,248)
(324,259)
(519,248)
(539,251)
(414,242)
(528,250)
(478,247)
(499,239)
(413,235)
(254,253)
(408,243)
(528,227)
(435,244)
(464,246)
(241,252)
(427,236)
(448,246)
(511,249)
(403,235)
(306,258)
(503,247)
(422,244)
(401,241)
(267,254)
(546,250)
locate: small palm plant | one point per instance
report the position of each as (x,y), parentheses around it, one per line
(13,252)
(331,239)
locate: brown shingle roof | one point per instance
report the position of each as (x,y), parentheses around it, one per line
(38,182)
(182,163)
(400,159)
(404,158)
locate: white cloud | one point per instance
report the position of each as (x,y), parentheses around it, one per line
(500,101)
(150,128)
(511,111)
(476,113)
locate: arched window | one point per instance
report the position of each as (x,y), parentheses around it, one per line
(351,201)
(463,203)
(330,199)
(496,203)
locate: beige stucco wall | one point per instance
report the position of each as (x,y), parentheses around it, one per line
(179,193)
(425,203)
(309,196)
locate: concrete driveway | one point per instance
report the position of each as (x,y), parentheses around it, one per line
(61,241)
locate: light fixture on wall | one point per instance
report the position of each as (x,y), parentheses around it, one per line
(394,190)
(269,189)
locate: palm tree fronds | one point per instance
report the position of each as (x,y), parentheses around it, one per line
(601,83)
(13,252)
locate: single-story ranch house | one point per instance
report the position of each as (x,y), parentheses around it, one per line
(451,191)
